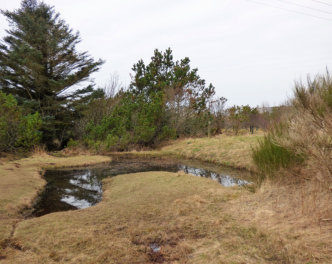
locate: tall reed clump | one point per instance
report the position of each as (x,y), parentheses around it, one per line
(303,136)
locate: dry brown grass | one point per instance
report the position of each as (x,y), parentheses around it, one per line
(299,212)
(74,151)
(20,182)
(228,150)
(185,215)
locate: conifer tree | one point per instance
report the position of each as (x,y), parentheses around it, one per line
(175,79)
(40,67)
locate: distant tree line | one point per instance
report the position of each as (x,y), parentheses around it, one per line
(46,97)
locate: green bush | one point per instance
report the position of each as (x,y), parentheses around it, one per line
(167,133)
(72,143)
(29,134)
(125,141)
(111,141)
(135,120)
(17,130)
(10,118)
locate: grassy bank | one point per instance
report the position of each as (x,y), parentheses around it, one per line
(233,151)
(186,216)
(21,181)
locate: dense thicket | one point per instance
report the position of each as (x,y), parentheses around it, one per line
(40,66)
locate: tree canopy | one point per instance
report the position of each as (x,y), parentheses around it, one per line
(41,67)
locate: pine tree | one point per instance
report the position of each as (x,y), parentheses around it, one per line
(175,79)
(40,67)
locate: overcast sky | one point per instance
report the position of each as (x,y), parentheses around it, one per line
(252,51)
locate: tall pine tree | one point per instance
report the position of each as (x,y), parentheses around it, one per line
(40,66)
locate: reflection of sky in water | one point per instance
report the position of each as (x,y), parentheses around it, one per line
(72,200)
(224,180)
(93,186)
(86,183)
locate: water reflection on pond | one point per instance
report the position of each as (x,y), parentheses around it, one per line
(223,179)
(81,188)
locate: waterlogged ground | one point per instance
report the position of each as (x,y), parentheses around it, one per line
(82,188)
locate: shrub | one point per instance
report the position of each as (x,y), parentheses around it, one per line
(17,130)
(167,133)
(72,143)
(29,134)
(10,117)
(111,141)
(304,134)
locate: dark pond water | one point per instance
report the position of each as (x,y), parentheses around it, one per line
(81,188)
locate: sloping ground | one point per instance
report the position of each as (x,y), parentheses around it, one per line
(185,216)
(233,151)
(21,181)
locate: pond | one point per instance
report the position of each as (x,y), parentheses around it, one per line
(70,189)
